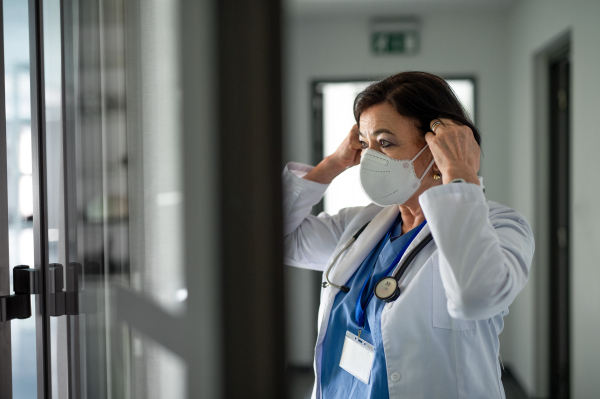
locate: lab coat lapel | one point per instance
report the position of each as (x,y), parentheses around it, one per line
(420,237)
(364,244)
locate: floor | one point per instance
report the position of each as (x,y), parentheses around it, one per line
(301,381)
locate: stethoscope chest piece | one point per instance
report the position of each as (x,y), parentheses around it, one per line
(387,289)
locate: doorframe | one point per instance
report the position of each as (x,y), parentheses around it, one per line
(541,226)
(40,206)
(5,327)
(560,376)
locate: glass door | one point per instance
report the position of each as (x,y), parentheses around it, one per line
(119,199)
(99,203)
(112,196)
(18,336)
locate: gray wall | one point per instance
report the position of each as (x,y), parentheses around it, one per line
(534,25)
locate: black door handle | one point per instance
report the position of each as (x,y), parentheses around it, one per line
(64,302)
(18,306)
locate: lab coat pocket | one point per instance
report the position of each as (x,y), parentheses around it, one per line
(441,317)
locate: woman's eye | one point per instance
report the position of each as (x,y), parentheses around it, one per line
(384,143)
(363,144)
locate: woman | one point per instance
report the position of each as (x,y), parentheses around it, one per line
(419,157)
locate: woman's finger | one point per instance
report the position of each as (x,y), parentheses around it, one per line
(447,122)
(435,124)
(353,138)
(433,147)
(431,139)
(355,143)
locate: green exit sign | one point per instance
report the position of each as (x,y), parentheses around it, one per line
(395,35)
(406,42)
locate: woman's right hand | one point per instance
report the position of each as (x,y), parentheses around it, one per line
(348,153)
(346,156)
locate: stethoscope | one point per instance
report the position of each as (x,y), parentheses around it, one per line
(387,289)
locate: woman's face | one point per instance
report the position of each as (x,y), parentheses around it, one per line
(383,129)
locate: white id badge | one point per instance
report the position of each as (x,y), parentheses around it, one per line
(357,357)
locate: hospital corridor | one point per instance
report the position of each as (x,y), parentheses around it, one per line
(302,199)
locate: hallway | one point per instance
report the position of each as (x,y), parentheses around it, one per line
(143,209)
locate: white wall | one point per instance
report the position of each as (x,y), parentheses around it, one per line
(453,42)
(533,25)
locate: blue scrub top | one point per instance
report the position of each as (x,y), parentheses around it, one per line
(335,381)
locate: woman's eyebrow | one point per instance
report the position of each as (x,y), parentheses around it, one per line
(376,132)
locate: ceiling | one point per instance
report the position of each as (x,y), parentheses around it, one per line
(328,7)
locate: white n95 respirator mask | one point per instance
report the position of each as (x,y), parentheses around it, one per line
(388,181)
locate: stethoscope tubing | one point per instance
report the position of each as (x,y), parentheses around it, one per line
(343,288)
(413,254)
(382,288)
(396,276)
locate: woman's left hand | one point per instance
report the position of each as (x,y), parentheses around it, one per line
(455,151)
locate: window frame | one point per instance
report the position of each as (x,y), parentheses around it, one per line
(316,99)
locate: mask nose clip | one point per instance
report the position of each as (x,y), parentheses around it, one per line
(375,158)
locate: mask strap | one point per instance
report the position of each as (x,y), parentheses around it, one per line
(430,164)
(417,156)
(427,170)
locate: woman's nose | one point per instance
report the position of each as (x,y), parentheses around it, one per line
(374,145)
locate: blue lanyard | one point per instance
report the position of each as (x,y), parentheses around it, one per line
(360,311)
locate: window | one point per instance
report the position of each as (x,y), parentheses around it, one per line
(337,99)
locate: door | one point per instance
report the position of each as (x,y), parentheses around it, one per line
(133,290)
(559,225)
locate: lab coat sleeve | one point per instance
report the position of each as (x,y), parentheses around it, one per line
(484,257)
(309,240)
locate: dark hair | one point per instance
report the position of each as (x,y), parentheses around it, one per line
(420,96)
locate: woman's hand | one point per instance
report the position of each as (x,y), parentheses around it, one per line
(346,156)
(348,153)
(455,151)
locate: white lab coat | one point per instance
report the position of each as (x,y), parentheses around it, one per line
(440,336)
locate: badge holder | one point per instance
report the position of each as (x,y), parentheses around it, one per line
(357,357)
